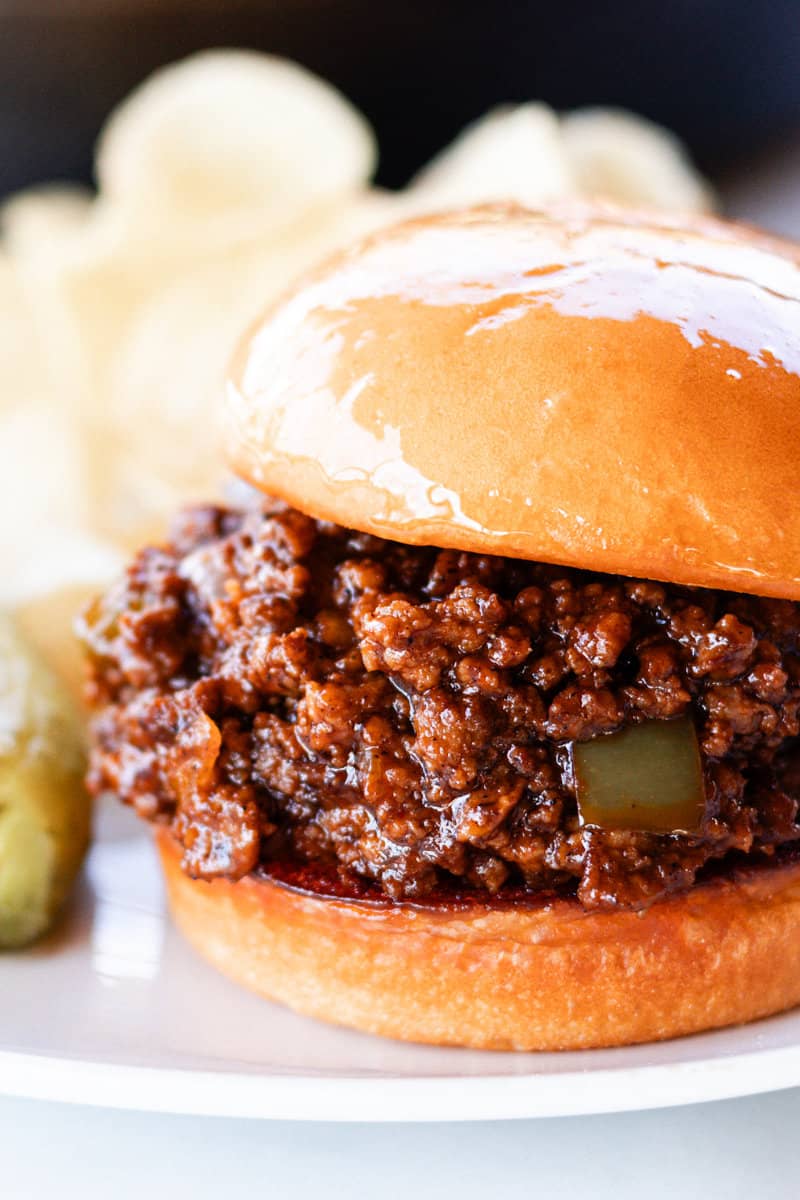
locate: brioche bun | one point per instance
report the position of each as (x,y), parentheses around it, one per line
(598,388)
(503,976)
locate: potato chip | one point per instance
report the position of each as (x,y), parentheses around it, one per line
(168,375)
(15,333)
(204,166)
(34,219)
(42,494)
(510,154)
(231,140)
(625,158)
(47,620)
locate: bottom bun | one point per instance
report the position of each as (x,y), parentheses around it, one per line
(505,977)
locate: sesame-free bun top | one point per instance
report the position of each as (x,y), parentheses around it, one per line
(586,386)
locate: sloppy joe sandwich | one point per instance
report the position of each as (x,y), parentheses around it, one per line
(476,722)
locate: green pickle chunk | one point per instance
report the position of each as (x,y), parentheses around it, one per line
(44,809)
(646,777)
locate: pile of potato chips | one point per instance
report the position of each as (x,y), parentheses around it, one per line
(218,181)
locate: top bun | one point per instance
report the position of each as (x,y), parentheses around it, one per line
(586,386)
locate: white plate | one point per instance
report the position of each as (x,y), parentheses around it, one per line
(115,1010)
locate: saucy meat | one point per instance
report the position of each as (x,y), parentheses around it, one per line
(278,689)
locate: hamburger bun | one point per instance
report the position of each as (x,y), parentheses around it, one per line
(597,388)
(500,976)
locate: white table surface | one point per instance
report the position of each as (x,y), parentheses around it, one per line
(747,1148)
(733,1149)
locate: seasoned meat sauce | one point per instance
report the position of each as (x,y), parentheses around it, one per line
(278,689)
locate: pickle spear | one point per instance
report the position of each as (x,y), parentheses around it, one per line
(647,777)
(44,809)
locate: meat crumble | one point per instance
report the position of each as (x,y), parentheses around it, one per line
(275,688)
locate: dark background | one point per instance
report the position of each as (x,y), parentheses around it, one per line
(724,74)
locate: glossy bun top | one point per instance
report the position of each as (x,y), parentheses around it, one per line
(588,386)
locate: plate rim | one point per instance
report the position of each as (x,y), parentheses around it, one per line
(353,1098)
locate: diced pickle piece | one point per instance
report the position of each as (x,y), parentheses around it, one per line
(646,777)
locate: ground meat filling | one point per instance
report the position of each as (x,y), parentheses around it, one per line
(278,689)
